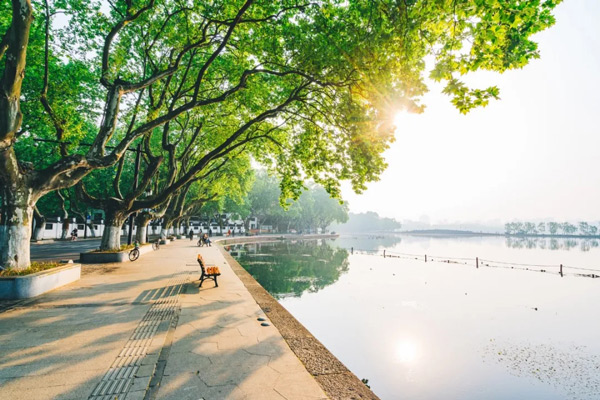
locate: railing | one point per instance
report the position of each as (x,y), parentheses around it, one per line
(559,269)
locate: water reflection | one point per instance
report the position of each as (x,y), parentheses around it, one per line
(434,330)
(552,244)
(289,269)
(368,242)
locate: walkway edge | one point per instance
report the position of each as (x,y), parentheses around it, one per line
(332,375)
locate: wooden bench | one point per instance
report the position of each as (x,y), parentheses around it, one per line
(208,272)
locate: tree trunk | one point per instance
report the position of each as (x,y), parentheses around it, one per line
(111,237)
(90,226)
(2,237)
(166,225)
(19,214)
(65,229)
(64,216)
(40,224)
(142,222)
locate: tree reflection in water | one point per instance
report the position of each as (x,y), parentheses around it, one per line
(554,244)
(291,268)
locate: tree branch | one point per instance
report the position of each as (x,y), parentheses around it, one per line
(111,36)
(220,48)
(117,179)
(58,125)
(4,43)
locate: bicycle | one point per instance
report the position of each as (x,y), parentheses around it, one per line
(200,242)
(134,254)
(156,245)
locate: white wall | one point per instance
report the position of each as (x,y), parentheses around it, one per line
(53,230)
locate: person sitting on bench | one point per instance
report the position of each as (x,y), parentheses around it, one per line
(206,240)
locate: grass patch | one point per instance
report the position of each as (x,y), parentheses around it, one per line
(33,268)
(123,247)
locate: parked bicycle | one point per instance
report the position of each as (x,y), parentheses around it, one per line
(134,254)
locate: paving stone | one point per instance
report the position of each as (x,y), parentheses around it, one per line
(186,362)
(135,395)
(262,380)
(139,384)
(291,386)
(145,371)
(189,387)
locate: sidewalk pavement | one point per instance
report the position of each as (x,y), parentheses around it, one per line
(144,330)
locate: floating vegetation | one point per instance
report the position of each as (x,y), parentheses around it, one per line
(575,370)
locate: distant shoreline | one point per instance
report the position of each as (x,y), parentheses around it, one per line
(452,232)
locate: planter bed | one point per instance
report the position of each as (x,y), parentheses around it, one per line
(117,257)
(26,286)
(165,241)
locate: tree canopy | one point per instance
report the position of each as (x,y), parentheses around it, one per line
(313,210)
(308,89)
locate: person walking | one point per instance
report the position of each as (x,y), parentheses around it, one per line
(191,234)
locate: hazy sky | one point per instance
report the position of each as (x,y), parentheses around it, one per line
(534,154)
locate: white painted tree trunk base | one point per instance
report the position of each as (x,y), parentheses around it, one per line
(15,250)
(111,238)
(140,235)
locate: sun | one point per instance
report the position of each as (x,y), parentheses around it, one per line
(406,352)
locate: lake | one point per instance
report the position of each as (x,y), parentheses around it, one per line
(511,329)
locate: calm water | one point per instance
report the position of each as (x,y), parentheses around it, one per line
(435,330)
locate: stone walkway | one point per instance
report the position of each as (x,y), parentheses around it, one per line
(144,330)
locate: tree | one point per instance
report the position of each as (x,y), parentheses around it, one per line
(263,198)
(312,210)
(270,78)
(541,228)
(318,210)
(568,229)
(553,227)
(519,228)
(530,228)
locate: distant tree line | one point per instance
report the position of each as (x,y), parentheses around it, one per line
(368,222)
(314,209)
(550,228)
